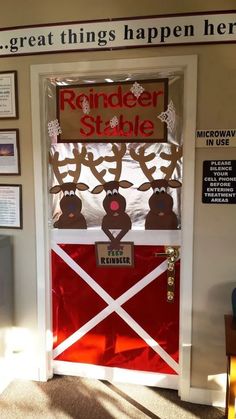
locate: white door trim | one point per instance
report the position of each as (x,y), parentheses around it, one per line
(186,64)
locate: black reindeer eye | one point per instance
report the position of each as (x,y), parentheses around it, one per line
(66,193)
(109,192)
(156,190)
(115,191)
(162,189)
(72,193)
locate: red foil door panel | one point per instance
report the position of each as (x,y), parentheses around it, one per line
(116,317)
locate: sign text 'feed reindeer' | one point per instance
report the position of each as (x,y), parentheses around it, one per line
(161,215)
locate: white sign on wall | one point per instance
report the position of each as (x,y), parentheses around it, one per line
(216,138)
(162,30)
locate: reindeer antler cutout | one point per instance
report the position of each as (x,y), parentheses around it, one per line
(173,157)
(56,163)
(92,164)
(142,159)
(77,160)
(70,203)
(117,158)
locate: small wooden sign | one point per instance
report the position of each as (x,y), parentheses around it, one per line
(118,258)
(125,111)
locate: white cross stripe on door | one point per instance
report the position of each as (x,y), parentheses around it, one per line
(113,306)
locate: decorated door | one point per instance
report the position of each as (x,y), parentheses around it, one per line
(114,181)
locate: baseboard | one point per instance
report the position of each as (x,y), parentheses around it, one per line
(11,370)
(5,379)
(17,367)
(27,375)
(206,396)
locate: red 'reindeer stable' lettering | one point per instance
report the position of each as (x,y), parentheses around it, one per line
(117,99)
(96,125)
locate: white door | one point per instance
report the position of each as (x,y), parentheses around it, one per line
(121,322)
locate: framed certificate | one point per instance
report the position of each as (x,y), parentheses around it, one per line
(8,95)
(11,206)
(9,152)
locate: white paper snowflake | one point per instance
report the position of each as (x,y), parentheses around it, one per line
(114,122)
(54,128)
(169,116)
(85,106)
(137,89)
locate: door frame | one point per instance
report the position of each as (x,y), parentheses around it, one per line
(188,65)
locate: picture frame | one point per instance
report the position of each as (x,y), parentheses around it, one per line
(9,152)
(8,95)
(11,206)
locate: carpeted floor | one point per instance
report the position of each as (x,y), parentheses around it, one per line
(66,397)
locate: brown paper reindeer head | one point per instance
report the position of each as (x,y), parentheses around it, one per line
(161,215)
(70,203)
(114,203)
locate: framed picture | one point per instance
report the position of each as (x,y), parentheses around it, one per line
(11,206)
(8,95)
(9,152)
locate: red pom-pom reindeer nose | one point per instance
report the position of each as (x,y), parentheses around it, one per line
(114,206)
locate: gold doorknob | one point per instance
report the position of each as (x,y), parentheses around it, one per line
(172,253)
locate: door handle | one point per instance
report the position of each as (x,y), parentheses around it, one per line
(172,254)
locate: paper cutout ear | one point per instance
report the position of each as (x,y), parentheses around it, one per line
(145,186)
(97,189)
(173,183)
(125,184)
(81,186)
(55,189)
